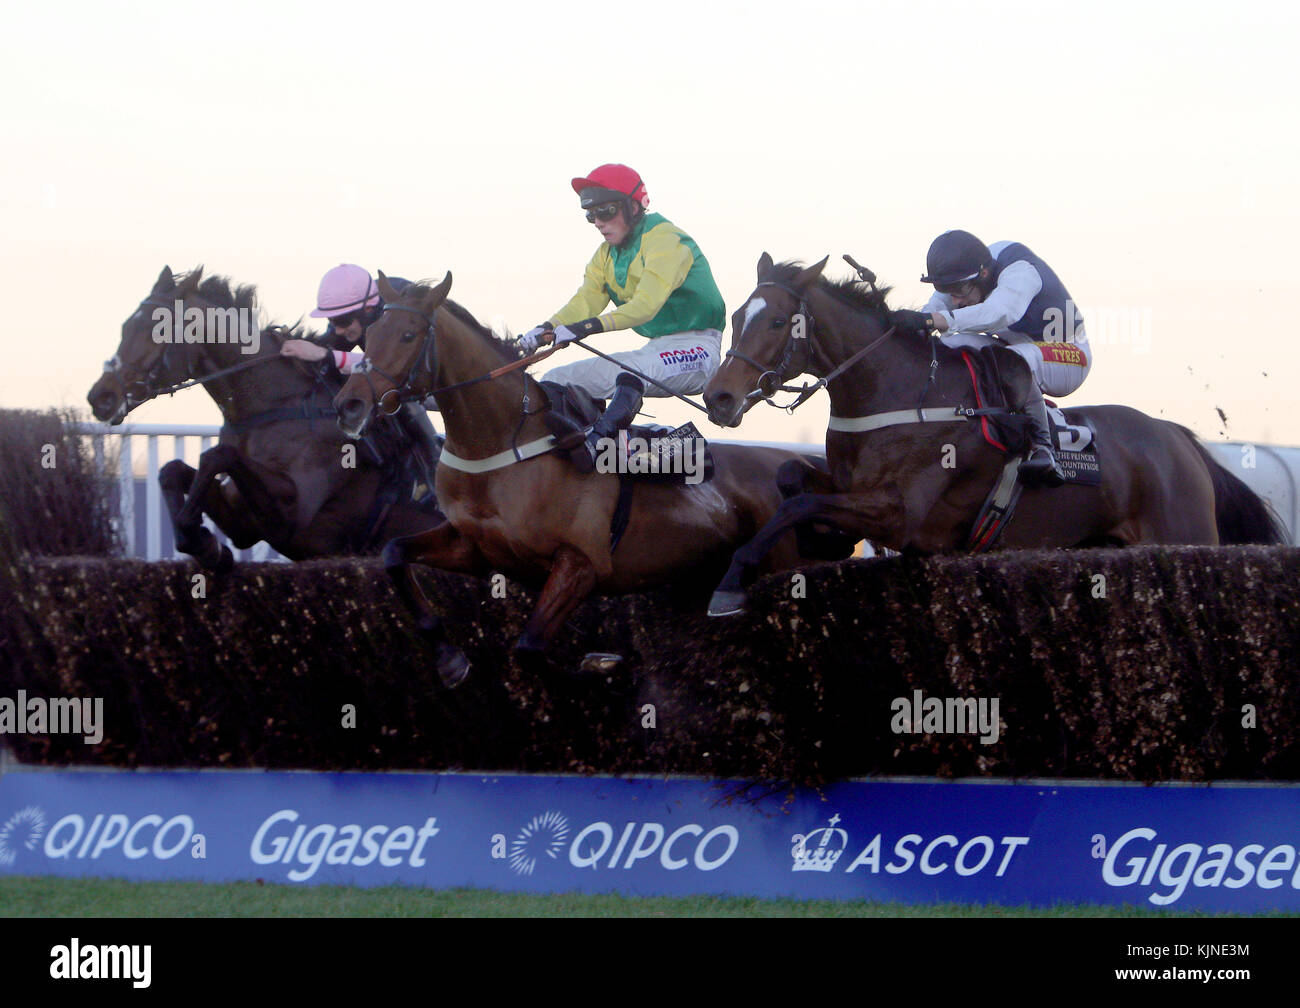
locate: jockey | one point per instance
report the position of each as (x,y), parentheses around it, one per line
(1005,291)
(662,288)
(349,297)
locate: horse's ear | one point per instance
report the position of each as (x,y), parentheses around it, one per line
(439,294)
(386,288)
(764,264)
(807,276)
(191,282)
(165,281)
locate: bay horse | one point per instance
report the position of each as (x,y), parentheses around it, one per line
(515,507)
(917,486)
(295,480)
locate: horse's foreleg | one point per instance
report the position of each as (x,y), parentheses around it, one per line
(833,509)
(571,580)
(276,518)
(445,548)
(814,541)
(192,537)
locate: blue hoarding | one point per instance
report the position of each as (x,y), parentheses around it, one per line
(1221,847)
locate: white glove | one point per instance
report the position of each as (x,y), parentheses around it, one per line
(531,340)
(565,335)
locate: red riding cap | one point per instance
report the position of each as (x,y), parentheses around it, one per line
(610,181)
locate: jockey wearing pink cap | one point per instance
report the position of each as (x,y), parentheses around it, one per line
(349,297)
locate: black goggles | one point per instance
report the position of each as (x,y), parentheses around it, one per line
(604,212)
(343,321)
(954,289)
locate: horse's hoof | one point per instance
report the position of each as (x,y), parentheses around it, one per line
(225,562)
(600,661)
(727,603)
(453,666)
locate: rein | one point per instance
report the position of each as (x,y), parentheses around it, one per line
(765,389)
(152,391)
(407,391)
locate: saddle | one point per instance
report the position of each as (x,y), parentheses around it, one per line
(644,451)
(1005,430)
(1010,432)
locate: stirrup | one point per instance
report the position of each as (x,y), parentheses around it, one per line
(1041,467)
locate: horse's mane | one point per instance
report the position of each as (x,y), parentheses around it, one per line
(463,314)
(854,293)
(224,294)
(218,290)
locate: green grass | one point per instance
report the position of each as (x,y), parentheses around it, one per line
(55,897)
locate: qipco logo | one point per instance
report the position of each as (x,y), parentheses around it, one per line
(71,838)
(601,844)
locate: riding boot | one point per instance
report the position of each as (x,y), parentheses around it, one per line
(620,412)
(426,446)
(1040,466)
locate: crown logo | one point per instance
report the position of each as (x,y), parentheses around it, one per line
(820,849)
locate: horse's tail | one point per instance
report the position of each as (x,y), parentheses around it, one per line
(1241,514)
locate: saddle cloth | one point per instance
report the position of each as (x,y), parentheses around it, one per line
(1069,437)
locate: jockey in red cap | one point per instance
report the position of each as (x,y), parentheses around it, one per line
(661,287)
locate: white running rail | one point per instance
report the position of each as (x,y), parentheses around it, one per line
(144,522)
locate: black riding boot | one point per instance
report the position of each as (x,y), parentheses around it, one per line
(1040,466)
(620,412)
(426,445)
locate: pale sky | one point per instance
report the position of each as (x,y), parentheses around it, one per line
(1142,149)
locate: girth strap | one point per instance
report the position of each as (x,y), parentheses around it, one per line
(937,414)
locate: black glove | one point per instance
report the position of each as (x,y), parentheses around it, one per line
(906,320)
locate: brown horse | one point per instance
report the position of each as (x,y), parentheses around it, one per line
(295,481)
(515,507)
(917,486)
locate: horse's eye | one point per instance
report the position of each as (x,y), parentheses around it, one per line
(778,323)
(407,337)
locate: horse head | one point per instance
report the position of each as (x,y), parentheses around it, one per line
(769,341)
(401,355)
(147,360)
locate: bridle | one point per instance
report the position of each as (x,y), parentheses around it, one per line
(426,363)
(147,382)
(770,381)
(146,386)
